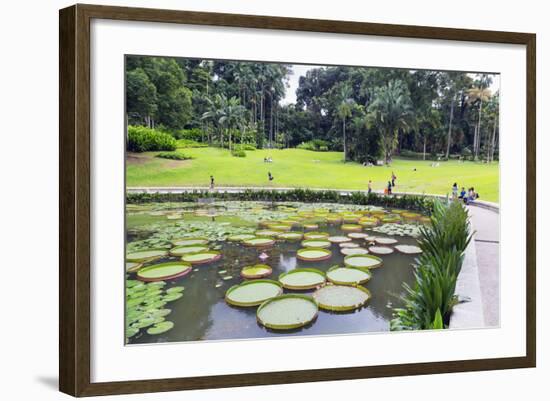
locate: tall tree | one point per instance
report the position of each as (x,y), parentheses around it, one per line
(479,94)
(345,103)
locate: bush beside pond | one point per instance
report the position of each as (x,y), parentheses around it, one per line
(143,139)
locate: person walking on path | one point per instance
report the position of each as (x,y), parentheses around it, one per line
(389,187)
(270,177)
(369,191)
(393,178)
(211,182)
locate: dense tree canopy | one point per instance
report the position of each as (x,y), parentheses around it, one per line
(367,113)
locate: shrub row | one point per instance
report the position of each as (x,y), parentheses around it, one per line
(429,302)
(174,156)
(317,145)
(412,202)
(189,143)
(143,139)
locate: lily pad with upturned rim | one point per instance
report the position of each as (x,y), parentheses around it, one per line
(240,237)
(313,254)
(316,243)
(256,271)
(354,251)
(357,235)
(290,236)
(348,275)
(316,235)
(349,245)
(146,255)
(363,261)
(259,242)
(341,298)
(351,227)
(302,279)
(266,233)
(311,226)
(190,241)
(287,312)
(201,257)
(381,250)
(408,249)
(338,239)
(164,271)
(385,241)
(253,293)
(183,250)
(132,267)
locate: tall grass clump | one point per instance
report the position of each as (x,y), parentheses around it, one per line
(428,303)
(143,139)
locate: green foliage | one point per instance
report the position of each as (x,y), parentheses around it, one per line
(428,304)
(420,203)
(174,156)
(317,145)
(189,143)
(192,134)
(238,153)
(142,139)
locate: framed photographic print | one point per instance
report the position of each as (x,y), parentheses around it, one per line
(250,200)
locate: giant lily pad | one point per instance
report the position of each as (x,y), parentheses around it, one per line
(348,275)
(311,226)
(408,249)
(354,251)
(183,250)
(334,219)
(287,312)
(338,239)
(259,242)
(313,254)
(256,271)
(160,328)
(164,271)
(190,241)
(290,236)
(385,241)
(280,227)
(266,233)
(302,279)
(351,218)
(341,297)
(351,227)
(411,215)
(316,235)
(316,243)
(240,237)
(355,235)
(348,245)
(380,250)
(146,255)
(253,293)
(201,257)
(363,261)
(132,267)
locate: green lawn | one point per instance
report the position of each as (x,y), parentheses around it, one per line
(303,168)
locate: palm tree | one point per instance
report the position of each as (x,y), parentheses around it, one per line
(232,115)
(215,111)
(390,111)
(345,103)
(479,94)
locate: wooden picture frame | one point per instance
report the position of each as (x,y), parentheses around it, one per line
(74,199)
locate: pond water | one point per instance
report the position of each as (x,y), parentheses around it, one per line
(201,313)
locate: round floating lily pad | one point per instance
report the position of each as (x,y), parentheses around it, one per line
(259,241)
(146,255)
(316,243)
(351,218)
(411,215)
(253,293)
(302,279)
(316,235)
(266,233)
(240,237)
(132,267)
(311,226)
(354,251)
(287,312)
(408,249)
(280,227)
(357,235)
(183,250)
(338,239)
(351,227)
(341,297)
(313,254)
(334,219)
(363,261)
(160,328)
(190,241)
(164,271)
(348,275)
(385,241)
(201,257)
(131,331)
(256,271)
(290,236)
(348,245)
(380,250)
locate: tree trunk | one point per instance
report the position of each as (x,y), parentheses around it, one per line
(492,146)
(478,129)
(229,132)
(345,148)
(271,121)
(450,129)
(424,152)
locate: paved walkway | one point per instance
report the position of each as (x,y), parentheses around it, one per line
(486,224)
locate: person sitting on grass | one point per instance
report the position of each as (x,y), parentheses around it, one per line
(462,193)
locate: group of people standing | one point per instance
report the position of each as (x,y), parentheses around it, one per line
(466,197)
(389,188)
